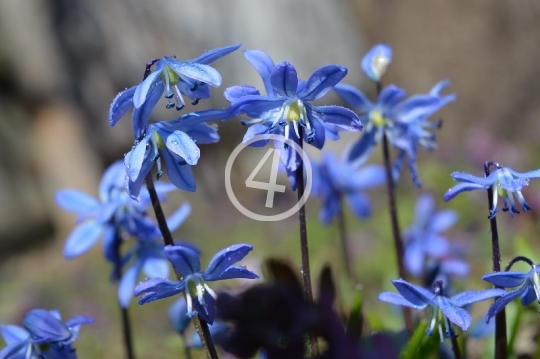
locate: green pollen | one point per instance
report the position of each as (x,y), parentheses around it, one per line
(294,112)
(501,191)
(377,118)
(159,141)
(173,76)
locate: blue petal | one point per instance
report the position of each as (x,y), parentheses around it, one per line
(506,279)
(236,272)
(284,79)
(289,157)
(458,316)
(224,259)
(82,238)
(503,302)
(136,157)
(109,244)
(414,258)
(424,208)
(156,267)
(253,106)
(331,206)
(208,311)
(158,289)
(461,187)
(134,187)
(9,351)
(361,150)
(413,293)
(141,115)
(468,178)
(473,296)
(376,60)
(235,92)
(178,315)
(526,175)
(354,97)
(264,66)
(127,284)
(337,115)
(528,296)
(183,259)
(182,145)
(398,299)
(175,220)
(44,327)
(141,91)
(367,177)
(203,133)
(256,130)
(455,267)
(359,204)
(331,132)
(195,71)
(113,177)
(179,174)
(390,96)
(319,136)
(75,201)
(322,81)
(443,220)
(13,334)
(439,87)
(189,120)
(416,107)
(212,55)
(121,104)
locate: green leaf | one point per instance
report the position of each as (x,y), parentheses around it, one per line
(356,319)
(420,345)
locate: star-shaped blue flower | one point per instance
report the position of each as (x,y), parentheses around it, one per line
(416,297)
(200,297)
(176,142)
(190,78)
(376,61)
(504,181)
(403,120)
(42,327)
(528,283)
(286,109)
(333,180)
(113,212)
(423,239)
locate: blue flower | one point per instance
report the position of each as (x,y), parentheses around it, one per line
(105,217)
(416,297)
(504,181)
(176,142)
(423,239)
(189,78)
(44,336)
(333,180)
(147,255)
(528,283)
(199,295)
(376,61)
(178,315)
(287,111)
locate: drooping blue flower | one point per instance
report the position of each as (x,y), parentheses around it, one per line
(200,297)
(44,336)
(528,283)
(423,240)
(404,121)
(416,297)
(376,61)
(176,142)
(504,181)
(105,217)
(178,315)
(334,180)
(286,109)
(146,255)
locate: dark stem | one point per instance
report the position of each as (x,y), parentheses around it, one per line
(500,319)
(453,339)
(200,324)
(306,273)
(187,348)
(518,259)
(117,274)
(344,243)
(398,243)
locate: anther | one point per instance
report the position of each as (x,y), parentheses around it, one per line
(169,95)
(178,108)
(195,87)
(196,101)
(159,175)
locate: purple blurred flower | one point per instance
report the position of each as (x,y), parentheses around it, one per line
(376,61)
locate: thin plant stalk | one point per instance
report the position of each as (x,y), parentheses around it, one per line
(200,324)
(500,319)
(453,338)
(126,323)
(344,241)
(392,207)
(306,273)
(187,348)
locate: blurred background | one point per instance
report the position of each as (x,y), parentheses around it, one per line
(63,61)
